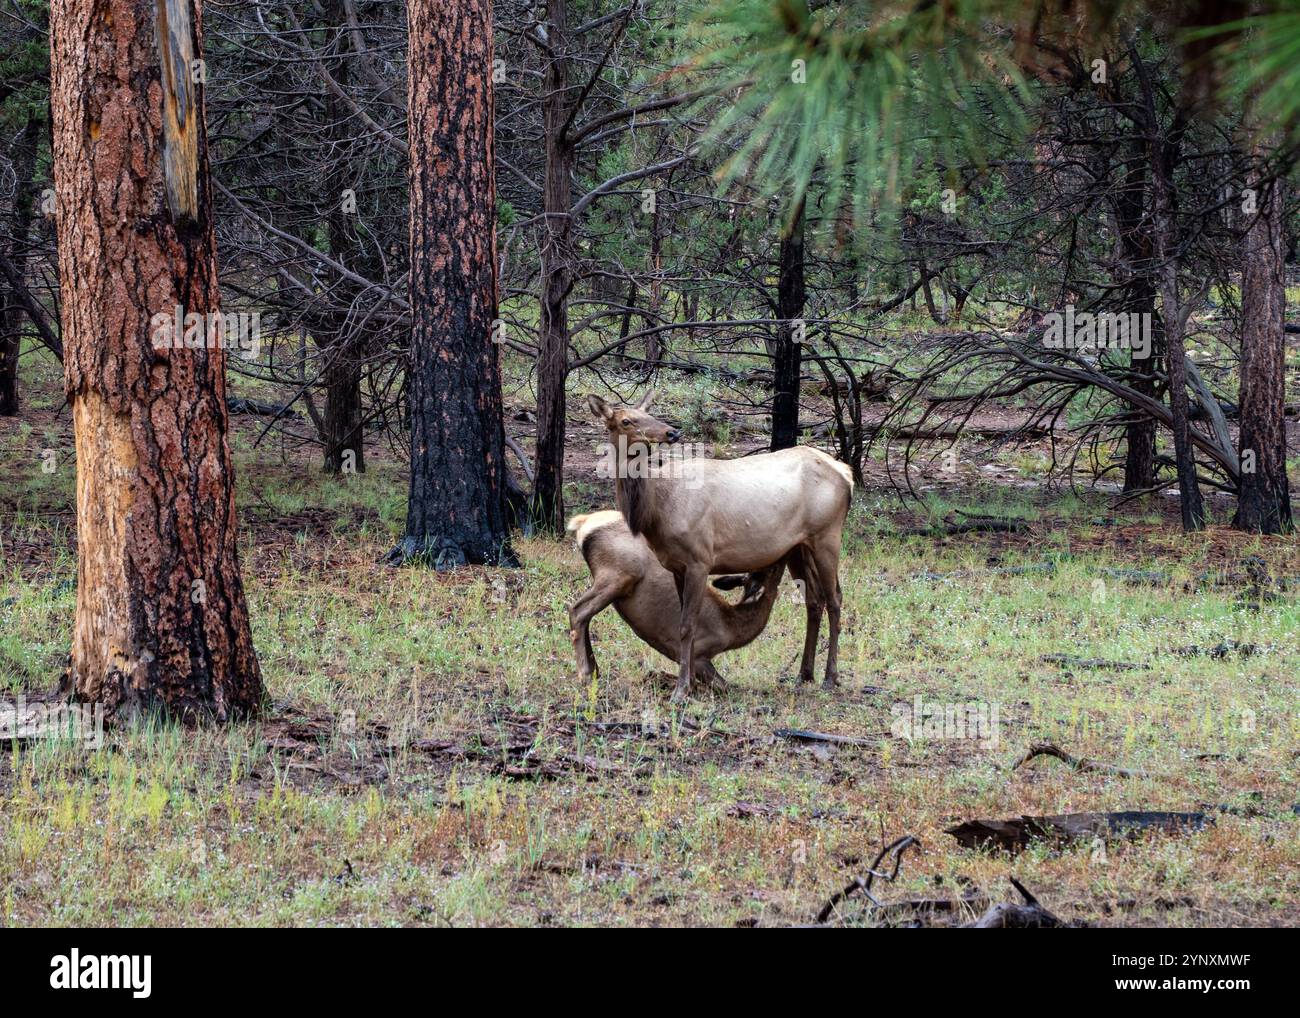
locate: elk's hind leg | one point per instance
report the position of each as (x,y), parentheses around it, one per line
(826,557)
(805,582)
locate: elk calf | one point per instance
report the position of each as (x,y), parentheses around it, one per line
(626,574)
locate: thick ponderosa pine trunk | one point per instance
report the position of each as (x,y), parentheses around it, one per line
(456,513)
(11,312)
(786,353)
(1264,499)
(556,281)
(161,621)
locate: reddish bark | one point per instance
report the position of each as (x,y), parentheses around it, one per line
(1264,499)
(161,619)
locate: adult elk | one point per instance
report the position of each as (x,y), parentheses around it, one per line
(703,516)
(626,574)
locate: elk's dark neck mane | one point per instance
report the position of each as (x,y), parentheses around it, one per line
(633,497)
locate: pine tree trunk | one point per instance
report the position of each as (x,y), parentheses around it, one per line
(344,351)
(344,441)
(11,313)
(928,292)
(456,512)
(556,282)
(653,347)
(1136,246)
(625,323)
(1189,492)
(161,621)
(786,360)
(1264,499)
(1191,503)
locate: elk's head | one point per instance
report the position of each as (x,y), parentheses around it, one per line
(632,423)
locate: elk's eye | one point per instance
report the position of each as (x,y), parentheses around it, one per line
(626,423)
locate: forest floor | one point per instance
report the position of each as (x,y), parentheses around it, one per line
(429,756)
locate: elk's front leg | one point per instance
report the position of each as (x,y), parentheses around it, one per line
(593,601)
(690,589)
(833,603)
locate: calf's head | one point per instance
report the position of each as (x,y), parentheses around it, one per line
(753,584)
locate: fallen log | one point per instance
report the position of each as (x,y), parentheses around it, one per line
(973,524)
(802,735)
(239,405)
(1090,663)
(1078,763)
(947,432)
(1016,833)
(1029,916)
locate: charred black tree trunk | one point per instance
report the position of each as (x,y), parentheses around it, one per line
(344,439)
(456,512)
(11,312)
(1264,499)
(625,323)
(653,348)
(786,355)
(1189,491)
(343,343)
(1163,152)
(556,282)
(1136,246)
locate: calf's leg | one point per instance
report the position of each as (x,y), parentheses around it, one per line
(708,675)
(595,599)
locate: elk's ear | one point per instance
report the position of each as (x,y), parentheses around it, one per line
(599,408)
(646,400)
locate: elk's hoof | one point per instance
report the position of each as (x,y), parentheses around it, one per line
(832,682)
(680,695)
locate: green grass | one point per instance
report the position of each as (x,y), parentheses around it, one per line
(376,790)
(217,826)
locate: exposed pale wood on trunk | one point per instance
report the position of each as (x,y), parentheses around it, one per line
(161,620)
